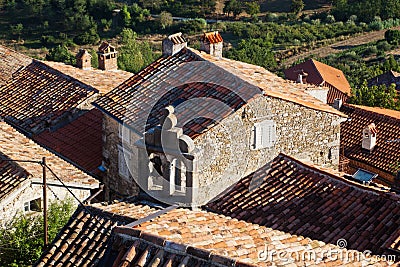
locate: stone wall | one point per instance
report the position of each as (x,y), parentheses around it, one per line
(225,152)
(117,186)
(226,149)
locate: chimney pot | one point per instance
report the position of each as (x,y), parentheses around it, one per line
(212,43)
(369,137)
(84,59)
(173,44)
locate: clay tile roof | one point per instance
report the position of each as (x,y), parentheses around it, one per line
(385,156)
(12,176)
(79,141)
(212,37)
(190,74)
(39,96)
(177,38)
(104,81)
(322,74)
(300,199)
(271,84)
(16,146)
(209,236)
(11,61)
(84,239)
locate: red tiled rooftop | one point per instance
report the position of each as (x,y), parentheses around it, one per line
(79,141)
(386,154)
(85,238)
(324,75)
(300,199)
(10,62)
(39,96)
(16,146)
(104,81)
(190,75)
(12,176)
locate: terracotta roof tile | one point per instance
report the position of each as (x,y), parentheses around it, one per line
(385,156)
(212,37)
(271,84)
(18,147)
(104,81)
(11,61)
(209,236)
(84,239)
(189,75)
(12,176)
(79,141)
(320,74)
(301,199)
(39,96)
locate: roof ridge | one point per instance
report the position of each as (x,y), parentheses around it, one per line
(179,248)
(375,110)
(66,76)
(337,178)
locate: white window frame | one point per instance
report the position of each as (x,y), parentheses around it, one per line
(29,204)
(123,157)
(124,133)
(264,134)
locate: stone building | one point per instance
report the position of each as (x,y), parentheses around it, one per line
(84,59)
(317,73)
(107,55)
(201,123)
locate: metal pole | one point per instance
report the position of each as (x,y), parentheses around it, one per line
(46,241)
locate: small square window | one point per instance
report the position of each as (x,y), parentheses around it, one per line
(33,205)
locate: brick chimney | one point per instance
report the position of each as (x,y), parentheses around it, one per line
(212,43)
(84,59)
(173,44)
(369,137)
(107,57)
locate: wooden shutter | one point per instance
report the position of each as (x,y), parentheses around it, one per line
(264,134)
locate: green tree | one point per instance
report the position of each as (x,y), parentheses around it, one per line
(21,240)
(297,6)
(61,53)
(253,8)
(392,36)
(133,54)
(17,30)
(165,19)
(234,7)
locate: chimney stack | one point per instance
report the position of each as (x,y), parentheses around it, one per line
(173,44)
(107,57)
(212,43)
(369,137)
(84,59)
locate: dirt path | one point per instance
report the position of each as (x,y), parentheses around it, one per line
(339,46)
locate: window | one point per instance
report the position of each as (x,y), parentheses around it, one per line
(124,157)
(33,205)
(124,133)
(264,134)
